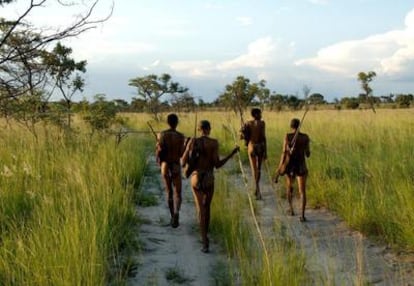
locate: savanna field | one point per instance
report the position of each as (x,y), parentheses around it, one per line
(67,201)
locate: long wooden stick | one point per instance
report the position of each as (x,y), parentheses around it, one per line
(295,137)
(283,157)
(256,223)
(152,130)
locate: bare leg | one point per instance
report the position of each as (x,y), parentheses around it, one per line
(256,174)
(177,194)
(176,182)
(194,182)
(168,186)
(289,193)
(259,172)
(302,191)
(203,201)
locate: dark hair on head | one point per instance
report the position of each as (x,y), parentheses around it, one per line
(294,123)
(172,119)
(255,112)
(204,125)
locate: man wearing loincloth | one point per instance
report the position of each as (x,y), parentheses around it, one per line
(170,147)
(202,178)
(256,147)
(296,168)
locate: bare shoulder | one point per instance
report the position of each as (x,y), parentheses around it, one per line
(180,134)
(305,136)
(211,142)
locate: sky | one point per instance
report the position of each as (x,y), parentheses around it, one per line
(205,45)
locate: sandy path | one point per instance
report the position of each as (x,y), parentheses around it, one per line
(333,251)
(172,251)
(335,254)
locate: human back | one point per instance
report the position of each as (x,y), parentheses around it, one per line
(172,144)
(208,153)
(257,133)
(300,148)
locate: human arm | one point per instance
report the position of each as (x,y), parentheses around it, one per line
(188,147)
(286,144)
(183,146)
(307,147)
(220,163)
(159,148)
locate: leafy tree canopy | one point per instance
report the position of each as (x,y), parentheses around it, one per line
(240,94)
(152,87)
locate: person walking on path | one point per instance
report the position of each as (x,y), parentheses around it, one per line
(169,149)
(202,178)
(296,144)
(255,137)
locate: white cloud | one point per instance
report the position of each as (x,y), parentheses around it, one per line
(244,21)
(153,65)
(259,60)
(388,53)
(409,20)
(213,6)
(203,68)
(319,2)
(259,53)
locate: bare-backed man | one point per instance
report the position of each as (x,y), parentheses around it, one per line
(170,147)
(256,147)
(202,178)
(297,145)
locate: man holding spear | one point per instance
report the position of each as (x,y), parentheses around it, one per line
(253,132)
(169,148)
(202,177)
(295,149)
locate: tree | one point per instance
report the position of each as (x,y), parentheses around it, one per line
(350,102)
(152,87)
(240,94)
(23,77)
(184,101)
(201,103)
(404,100)
(22,82)
(294,102)
(387,98)
(365,79)
(121,104)
(138,104)
(277,101)
(65,73)
(41,37)
(100,114)
(263,94)
(316,99)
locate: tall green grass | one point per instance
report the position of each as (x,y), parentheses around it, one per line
(232,223)
(362,169)
(360,166)
(66,207)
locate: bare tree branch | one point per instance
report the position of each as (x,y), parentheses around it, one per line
(41,39)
